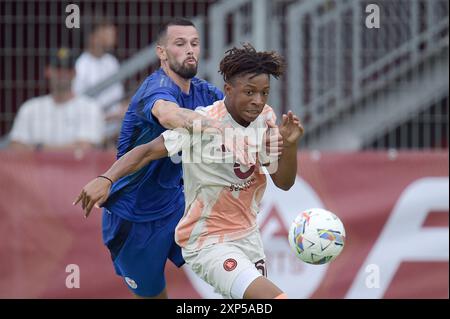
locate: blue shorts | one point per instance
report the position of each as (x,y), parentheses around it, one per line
(140,250)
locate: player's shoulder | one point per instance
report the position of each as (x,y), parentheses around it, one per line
(201,83)
(158,81)
(215,111)
(210,88)
(267,114)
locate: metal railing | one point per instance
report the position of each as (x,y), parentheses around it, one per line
(29,29)
(335,63)
(336,60)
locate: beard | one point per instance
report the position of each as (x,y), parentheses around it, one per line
(185,71)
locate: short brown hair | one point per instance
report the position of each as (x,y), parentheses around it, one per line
(174,21)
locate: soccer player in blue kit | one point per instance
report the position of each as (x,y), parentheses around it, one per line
(143,208)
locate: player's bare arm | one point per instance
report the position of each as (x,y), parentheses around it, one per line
(291,131)
(171,116)
(97,191)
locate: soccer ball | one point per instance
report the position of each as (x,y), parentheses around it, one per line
(317,236)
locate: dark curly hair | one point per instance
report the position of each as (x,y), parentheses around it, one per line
(247,60)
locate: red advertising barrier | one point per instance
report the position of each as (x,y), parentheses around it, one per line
(394,207)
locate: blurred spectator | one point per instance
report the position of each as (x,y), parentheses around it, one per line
(96,64)
(60,120)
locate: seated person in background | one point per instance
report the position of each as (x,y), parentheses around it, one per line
(60,120)
(97,64)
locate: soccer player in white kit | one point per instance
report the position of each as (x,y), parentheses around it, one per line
(218,232)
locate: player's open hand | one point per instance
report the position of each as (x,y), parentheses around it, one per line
(291,129)
(93,194)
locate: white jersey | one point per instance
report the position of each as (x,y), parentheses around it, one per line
(41,121)
(91,70)
(222,199)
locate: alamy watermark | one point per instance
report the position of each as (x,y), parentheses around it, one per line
(242,146)
(373,19)
(373,276)
(73,279)
(73,19)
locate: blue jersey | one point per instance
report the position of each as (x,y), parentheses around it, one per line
(156,190)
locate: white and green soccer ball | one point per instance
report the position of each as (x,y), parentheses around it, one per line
(317,236)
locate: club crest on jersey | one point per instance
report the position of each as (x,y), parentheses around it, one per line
(230,264)
(243,175)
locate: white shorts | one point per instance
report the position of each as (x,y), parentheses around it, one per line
(230,267)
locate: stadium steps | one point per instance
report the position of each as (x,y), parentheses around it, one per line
(383,109)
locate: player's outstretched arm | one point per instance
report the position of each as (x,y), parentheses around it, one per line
(291,130)
(171,116)
(137,158)
(97,191)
